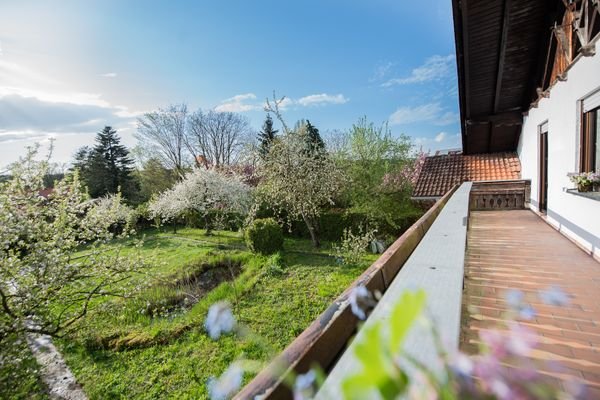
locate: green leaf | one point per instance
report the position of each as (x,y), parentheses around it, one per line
(404,314)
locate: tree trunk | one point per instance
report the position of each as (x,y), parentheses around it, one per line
(312,230)
(207,225)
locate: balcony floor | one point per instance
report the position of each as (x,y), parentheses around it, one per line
(517,250)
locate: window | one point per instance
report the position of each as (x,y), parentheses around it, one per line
(589,157)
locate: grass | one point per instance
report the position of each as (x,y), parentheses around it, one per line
(120,352)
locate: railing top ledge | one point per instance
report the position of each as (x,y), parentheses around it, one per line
(322,341)
(437,267)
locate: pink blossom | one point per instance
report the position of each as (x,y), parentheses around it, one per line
(486,367)
(494,341)
(521,339)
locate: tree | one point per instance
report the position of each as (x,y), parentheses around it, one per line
(313,137)
(44,288)
(218,137)
(154,178)
(313,142)
(163,134)
(202,191)
(298,182)
(107,167)
(378,166)
(266,136)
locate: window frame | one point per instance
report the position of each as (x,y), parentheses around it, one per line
(589,140)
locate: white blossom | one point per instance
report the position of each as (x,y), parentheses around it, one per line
(227,385)
(203,190)
(304,386)
(219,320)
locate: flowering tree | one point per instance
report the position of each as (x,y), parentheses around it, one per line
(299,180)
(202,191)
(44,287)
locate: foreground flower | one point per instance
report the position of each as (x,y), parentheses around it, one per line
(554,296)
(220,320)
(360,300)
(516,301)
(227,385)
(304,387)
(521,340)
(462,366)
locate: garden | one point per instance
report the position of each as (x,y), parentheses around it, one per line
(125,286)
(154,346)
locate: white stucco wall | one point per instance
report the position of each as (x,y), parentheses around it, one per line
(575,216)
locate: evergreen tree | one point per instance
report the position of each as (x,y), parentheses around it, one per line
(313,137)
(314,144)
(82,160)
(266,136)
(107,167)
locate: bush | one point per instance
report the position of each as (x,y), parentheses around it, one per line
(274,266)
(353,246)
(264,236)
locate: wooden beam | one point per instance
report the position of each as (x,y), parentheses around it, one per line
(465,35)
(500,71)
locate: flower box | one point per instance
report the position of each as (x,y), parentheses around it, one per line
(586,181)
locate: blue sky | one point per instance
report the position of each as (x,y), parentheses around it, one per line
(67,68)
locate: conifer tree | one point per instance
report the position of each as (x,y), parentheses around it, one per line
(107,167)
(314,137)
(266,136)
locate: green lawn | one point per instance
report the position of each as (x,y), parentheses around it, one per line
(121,352)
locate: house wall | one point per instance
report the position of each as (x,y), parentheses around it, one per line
(576,217)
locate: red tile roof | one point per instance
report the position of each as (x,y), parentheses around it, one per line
(45,193)
(440,173)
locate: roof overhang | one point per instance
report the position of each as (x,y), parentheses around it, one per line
(502,49)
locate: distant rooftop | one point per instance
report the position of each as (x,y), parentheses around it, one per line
(441,172)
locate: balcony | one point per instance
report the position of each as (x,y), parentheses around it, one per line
(476,243)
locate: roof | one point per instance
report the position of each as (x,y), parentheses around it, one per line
(501,51)
(45,193)
(440,173)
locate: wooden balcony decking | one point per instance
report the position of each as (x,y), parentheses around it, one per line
(517,250)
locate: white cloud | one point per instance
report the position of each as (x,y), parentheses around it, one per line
(381,71)
(441,141)
(285,103)
(447,119)
(427,112)
(109,75)
(409,115)
(28,116)
(1,52)
(434,68)
(322,99)
(13,136)
(238,103)
(35,106)
(246,102)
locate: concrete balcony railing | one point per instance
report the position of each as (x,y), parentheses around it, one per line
(429,255)
(499,195)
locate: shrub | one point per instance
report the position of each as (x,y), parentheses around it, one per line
(353,246)
(333,222)
(274,266)
(264,236)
